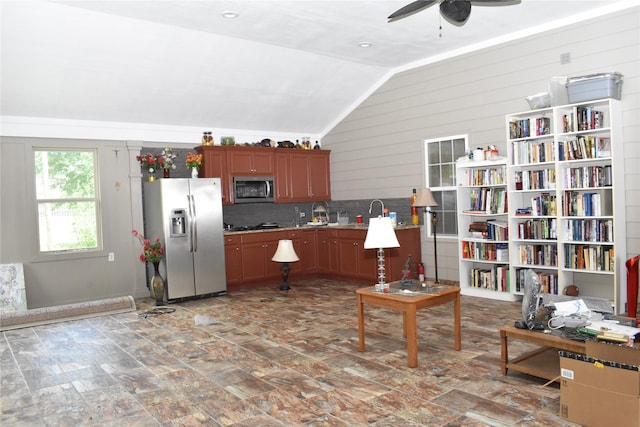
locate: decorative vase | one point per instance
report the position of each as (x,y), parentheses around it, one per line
(194,172)
(157,284)
(151,178)
(167,173)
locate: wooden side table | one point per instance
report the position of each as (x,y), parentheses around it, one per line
(409,304)
(542,362)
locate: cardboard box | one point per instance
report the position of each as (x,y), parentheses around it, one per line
(594,394)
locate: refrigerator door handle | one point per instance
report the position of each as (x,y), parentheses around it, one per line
(194,225)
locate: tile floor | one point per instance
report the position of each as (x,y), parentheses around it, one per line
(270,359)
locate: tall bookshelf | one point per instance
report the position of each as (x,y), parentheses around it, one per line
(566,199)
(483,230)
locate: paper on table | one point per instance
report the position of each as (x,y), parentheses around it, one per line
(604,326)
(568,308)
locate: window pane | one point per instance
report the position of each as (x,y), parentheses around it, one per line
(449,225)
(64,174)
(433,153)
(448,175)
(67,226)
(434,176)
(458,148)
(446,152)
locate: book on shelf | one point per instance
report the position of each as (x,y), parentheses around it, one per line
(603,147)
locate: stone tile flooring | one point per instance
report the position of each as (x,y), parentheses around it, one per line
(270,359)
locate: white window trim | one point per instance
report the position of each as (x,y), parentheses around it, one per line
(427,215)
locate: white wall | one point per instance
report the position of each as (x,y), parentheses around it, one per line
(377,149)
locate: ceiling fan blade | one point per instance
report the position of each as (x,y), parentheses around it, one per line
(456,11)
(410,9)
(495,2)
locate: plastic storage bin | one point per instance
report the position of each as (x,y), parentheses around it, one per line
(594,86)
(539,100)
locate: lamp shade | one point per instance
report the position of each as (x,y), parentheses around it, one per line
(424,197)
(285,252)
(380,234)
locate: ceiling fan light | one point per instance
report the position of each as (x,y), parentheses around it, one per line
(230,14)
(365,45)
(457,11)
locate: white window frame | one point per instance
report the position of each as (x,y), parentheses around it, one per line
(437,189)
(96,199)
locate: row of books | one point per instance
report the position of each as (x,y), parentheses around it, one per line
(582,118)
(487,200)
(593,258)
(532,126)
(490,230)
(525,152)
(495,278)
(544,205)
(485,251)
(489,176)
(541,254)
(590,230)
(585,147)
(587,204)
(548,281)
(538,229)
(588,177)
(543,179)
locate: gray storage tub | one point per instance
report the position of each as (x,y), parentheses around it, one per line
(594,86)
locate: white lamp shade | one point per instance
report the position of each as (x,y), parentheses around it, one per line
(424,197)
(380,234)
(285,252)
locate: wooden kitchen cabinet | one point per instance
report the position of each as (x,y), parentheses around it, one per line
(214,165)
(327,251)
(305,243)
(257,250)
(250,161)
(409,239)
(355,261)
(303,175)
(233,260)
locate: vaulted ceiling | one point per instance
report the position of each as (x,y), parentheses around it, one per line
(292,66)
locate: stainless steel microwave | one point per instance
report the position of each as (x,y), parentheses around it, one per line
(253,189)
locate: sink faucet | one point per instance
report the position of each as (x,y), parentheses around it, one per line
(381,206)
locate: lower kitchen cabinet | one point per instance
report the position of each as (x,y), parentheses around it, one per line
(233,259)
(333,252)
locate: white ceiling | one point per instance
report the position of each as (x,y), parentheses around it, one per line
(291,66)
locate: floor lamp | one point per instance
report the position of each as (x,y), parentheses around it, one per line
(424,198)
(380,235)
(285,254)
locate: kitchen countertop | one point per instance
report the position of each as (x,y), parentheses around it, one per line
(352,226)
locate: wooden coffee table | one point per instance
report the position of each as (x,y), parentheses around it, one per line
(542,362)
(409,303)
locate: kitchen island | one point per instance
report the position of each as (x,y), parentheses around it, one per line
(335,252)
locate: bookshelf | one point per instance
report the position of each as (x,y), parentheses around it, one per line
(483,232)
(566,199)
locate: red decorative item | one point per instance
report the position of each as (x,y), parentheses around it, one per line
(632,286)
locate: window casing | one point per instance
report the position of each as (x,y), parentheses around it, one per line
(440,165)
(67,200)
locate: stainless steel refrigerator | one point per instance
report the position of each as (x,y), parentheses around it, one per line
(186,214)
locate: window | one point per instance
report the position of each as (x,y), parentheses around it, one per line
(67,200)
(440,164)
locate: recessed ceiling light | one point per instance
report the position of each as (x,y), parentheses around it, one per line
(365,44)
(230,14)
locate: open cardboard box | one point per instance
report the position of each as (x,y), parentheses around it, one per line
(593,394)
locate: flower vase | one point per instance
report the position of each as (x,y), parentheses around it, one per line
(167,173)
(151,178)
(194,172)
(157,285)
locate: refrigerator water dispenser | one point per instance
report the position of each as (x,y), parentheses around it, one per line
(178,223)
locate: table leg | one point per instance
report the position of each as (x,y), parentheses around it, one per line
(361,322)
(456,321)
(504,352)
(404,324)
(412,336)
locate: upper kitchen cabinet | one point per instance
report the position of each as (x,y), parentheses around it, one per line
(250,161)
(302,176)
(214,165)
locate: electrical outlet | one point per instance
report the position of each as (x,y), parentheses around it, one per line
(565,58)
(303,214)
(112,257)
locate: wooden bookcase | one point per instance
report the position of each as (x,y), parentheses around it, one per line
(566,199)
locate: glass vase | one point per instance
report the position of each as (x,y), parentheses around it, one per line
(156,285)
(194,172)
(167,173)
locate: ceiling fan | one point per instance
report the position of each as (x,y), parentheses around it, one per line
(455,11)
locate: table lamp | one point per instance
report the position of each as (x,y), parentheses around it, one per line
(285,254)
(424,198)
(380,235)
